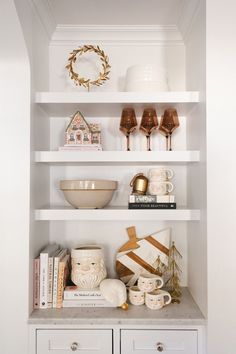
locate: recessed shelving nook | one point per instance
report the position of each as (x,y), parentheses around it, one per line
(53,220)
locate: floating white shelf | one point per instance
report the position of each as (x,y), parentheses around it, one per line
(116,213)
(65,103)
(116,157)
(118,97)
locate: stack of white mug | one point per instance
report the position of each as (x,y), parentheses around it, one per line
(148,292)
(159,181)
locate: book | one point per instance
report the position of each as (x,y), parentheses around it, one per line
(74,293)
(36,281)
(63,274)
(57,259)
(43,289)
(133,198)
(50,276)
(87,303)
(152,206)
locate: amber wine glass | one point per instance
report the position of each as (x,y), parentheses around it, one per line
(148,124)
(169,122)
(128,123)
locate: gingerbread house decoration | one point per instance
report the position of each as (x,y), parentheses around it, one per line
(79,132)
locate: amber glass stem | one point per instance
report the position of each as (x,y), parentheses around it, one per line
(170,149)
(148,142)
(167,142)
(128,146)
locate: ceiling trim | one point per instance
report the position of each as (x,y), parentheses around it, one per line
(44,12)
(117,34)
(188,14)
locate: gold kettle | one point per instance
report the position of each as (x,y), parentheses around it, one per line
(139,183)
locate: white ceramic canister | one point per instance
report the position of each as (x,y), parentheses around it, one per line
(88,266)
(146,78)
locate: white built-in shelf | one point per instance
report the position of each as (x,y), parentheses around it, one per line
(185,313)
(111,103)
(116,214)
(117,157)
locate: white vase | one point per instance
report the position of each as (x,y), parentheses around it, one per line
(88,267)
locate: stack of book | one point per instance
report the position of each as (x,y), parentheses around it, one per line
(151,202)
(81,147)
(50,272)
(75,297)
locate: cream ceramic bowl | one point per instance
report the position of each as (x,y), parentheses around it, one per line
(93,194)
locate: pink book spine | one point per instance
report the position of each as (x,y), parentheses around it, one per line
(36,283)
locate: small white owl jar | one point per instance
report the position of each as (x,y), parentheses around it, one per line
(88,267)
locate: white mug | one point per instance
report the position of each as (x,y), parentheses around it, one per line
(160,188)
(160,174)
(149,282)
(157,299)
(136,296)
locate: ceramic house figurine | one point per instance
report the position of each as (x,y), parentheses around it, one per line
(79,132)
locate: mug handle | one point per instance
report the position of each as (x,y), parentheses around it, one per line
(161,282)
(166,294)
(170,187)
(170,173)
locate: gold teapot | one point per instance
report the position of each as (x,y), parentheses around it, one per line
(139,183)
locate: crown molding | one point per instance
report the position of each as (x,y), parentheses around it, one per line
(109,34)
(43,11)
(188,14)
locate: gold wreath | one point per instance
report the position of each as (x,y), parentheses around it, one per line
(103,74)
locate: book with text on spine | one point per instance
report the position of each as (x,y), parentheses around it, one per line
(152,206)
(36,283)
(87,303)
(44,254)
(134,198)
(50,276)
(57,259)
(74,293)
(63,275)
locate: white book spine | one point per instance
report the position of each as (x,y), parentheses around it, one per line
(43,280)
(50,281)
(86,303)
(55,281)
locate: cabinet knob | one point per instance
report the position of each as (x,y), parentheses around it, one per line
(160,347)
(74,346)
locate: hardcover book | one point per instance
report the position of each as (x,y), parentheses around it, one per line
(63,274)
(152,206)
(57,259)
(44,254)
(133,198)
(87,303)
(36,283)
(74,293)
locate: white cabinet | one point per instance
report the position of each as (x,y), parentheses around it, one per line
(157,341)
(79,341)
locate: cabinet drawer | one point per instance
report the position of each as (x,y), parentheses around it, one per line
(155,341)
(74,341)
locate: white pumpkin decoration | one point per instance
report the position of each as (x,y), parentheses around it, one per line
(114,291)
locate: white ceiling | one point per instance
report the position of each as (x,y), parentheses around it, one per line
(116,12)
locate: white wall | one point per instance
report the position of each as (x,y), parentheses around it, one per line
(196,139)
(14,181)
(221,174)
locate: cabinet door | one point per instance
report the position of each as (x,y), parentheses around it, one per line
(155,341)
(64,341)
